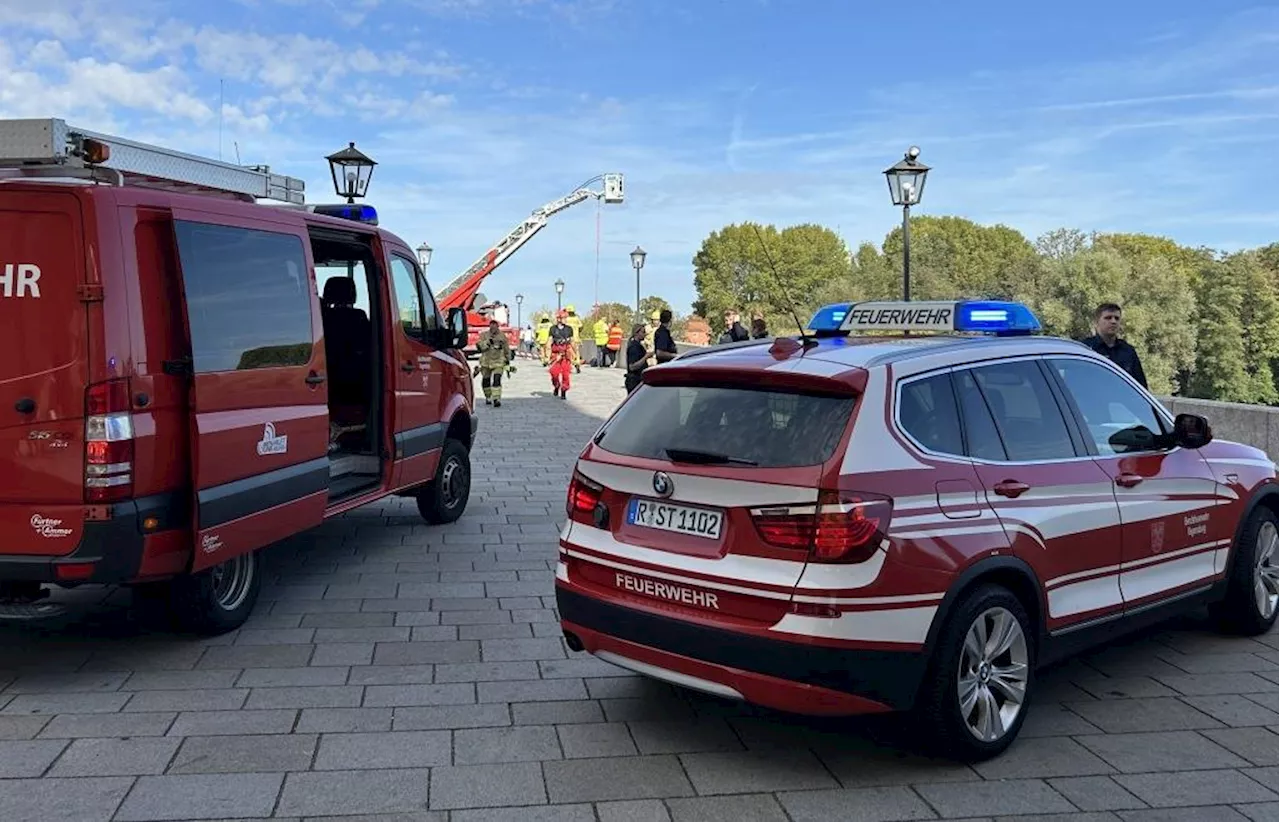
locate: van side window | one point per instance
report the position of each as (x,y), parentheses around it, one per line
(1025,412)
(404,279)
(979,429)
(248,297)
(430,311)
(927,412)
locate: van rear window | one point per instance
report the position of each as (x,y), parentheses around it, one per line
(248,297)
(768,429)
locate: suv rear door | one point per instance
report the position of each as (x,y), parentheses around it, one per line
(259,412)
(44,369)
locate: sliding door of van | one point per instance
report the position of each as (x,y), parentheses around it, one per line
(259,402)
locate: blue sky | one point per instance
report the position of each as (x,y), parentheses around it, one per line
(1119,116)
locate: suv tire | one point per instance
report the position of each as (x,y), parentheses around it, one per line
(1251,604)
(970,706)
(218,599)
(444,499)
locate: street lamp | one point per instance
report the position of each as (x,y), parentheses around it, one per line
(351,170)
(637,262)
(906,187)
(519,311)
(559,293)
(424,256)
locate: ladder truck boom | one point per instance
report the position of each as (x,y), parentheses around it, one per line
(461,290)
(51,148)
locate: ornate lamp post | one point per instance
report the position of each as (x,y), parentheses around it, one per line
(906,187)
(424,256)
(351,170)
(559,293)
(637,262)
(519,311)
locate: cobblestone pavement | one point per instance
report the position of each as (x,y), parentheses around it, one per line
(395,672)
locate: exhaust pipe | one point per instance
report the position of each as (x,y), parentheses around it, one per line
(573,642)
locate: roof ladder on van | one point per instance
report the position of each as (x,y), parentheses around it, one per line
(50,148)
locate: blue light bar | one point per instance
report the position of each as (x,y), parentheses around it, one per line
(830,318)
(966,316)
(349,211)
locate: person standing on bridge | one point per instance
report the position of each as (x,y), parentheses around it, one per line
(601,336)
(614,345)
(561,356)
(638,356)
(664,345)
(575,322)
(1108,343)
(543,336)
(495,359)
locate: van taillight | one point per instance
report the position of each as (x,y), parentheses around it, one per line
(108,442)
(841,528)
(582,499)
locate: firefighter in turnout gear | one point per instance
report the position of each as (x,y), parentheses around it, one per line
(574,322)
(495,359)
(543,338)
(561,355)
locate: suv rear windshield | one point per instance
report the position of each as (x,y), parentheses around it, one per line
(769,429)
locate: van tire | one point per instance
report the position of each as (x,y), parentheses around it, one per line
(939,713)
(444,499)
(1247,608)
(211,602)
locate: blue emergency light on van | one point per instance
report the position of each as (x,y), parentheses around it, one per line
(355,212)
(966,316)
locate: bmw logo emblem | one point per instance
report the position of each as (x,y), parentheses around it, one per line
(662,484)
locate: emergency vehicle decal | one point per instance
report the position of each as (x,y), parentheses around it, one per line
(896,625)
(49,528)
(20,280)
(271,443)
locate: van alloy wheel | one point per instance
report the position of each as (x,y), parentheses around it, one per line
(1266,571)
(991,684)
(232,581)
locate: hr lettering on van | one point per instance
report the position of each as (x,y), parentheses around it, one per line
(270,443)
(20,280)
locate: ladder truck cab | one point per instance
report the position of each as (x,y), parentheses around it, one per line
(463,290)
(189,374)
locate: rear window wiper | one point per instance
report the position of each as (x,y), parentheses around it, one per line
(705,457)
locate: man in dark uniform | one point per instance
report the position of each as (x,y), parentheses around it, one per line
(664,345)
(1107,342)
(638,357)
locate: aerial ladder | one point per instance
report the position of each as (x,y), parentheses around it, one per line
(461,291)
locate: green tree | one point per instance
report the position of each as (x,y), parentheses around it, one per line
(1220,371)
(955,258)
(651,303)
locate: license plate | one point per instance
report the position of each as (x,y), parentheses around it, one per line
(695,522)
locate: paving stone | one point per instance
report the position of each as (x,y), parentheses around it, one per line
(646,710)
(1123,687)
(859,805)
(222,699)
(540,690)
(633,810)
(70,726)
(46,800)
(1206,684)
(1096,793)
(319,696)
(348,620)
(1179,750)
(21,727)
(376,696)
(486,672)
(864,764)
(405,749)
(200,796)
(750,808)
(548,813)
(1042,758)
(425,653)
(634,777)
(508,744)
(699,735)
(444,717)
(519,650)
(181,680)
(1143,715)
(436,633)
(256,656)
(275,636)
(332,793)
(28,758)
(1258,811)
(1004,798)
(343,653)
(67,683)
(1240,662)
(231,723)
(556,713)
(245,754)
(487,786)
(754,771)
(1257,745)
(1232,709)
(1267,777)
(66,703)
(292,677)
(116,757)
(338,720)
(1170,790)
(596,739)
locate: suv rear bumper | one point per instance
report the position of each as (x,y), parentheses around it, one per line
(789,676)
(114,546)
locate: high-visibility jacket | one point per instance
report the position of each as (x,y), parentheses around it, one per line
(543,334)
(574,322)
(615,337)
(602,333)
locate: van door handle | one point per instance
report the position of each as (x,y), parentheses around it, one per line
(1011,488)
(315,379)
(1128,480)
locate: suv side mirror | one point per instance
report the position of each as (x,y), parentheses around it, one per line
(456,328)
(1191,431)
(1137,438)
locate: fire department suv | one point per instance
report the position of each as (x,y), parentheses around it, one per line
(187,377)
(847,523)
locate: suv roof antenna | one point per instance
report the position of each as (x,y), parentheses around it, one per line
(791,306)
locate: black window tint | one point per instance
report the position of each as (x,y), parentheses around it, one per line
(771,429)
(248,297)
(979,429)
(1118,418)
(927,411)
(1025,411)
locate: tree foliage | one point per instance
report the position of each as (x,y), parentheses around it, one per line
(1205,323)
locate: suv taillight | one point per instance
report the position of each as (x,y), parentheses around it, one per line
(841,528)
(108,442)
(583,498)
